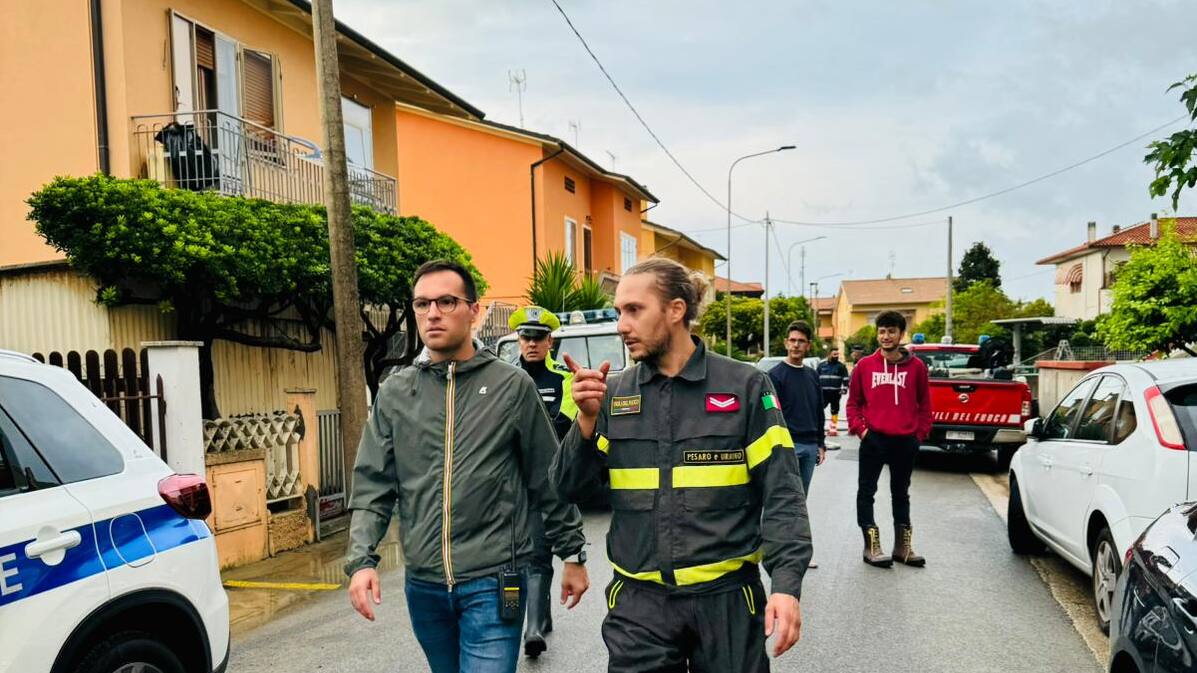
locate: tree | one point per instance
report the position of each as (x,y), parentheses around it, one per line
(1155,298)
(1172,159)
(246,271)
(748,322)
(557,286)
(977,264)
(976,307)
(864,340)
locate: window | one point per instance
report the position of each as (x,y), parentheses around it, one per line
(8,483)
(570,186)
(258,73)
(627,204)
(571,239)
(205,70)
(359,133)
(627,252)
(74,449)
(592,351)
(1059,425)
(1126,422)
(1097,421)
(26,465)
(587,249)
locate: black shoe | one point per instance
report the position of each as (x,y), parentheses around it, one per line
(540,620)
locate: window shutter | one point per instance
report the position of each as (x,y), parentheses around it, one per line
(259,88)
(205,49)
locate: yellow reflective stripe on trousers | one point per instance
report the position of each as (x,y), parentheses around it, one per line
(713,571)
(696,574)
(614,592)
(704,476)
(760,450)
(603,444)
(635,478)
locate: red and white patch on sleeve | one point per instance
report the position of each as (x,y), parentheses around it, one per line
(722,403)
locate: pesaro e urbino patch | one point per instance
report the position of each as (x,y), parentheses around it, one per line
(625,406)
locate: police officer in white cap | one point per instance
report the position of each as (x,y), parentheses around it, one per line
(534,327)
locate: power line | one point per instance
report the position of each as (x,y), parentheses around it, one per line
(851,223)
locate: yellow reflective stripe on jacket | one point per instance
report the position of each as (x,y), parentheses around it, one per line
(704,476)
(635,478)
(713,571)
(697,574)
(760,450)
(646,576)
(603,444)
(568,408)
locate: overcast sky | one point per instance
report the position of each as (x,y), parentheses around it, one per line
(896,107)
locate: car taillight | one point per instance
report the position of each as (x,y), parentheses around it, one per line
(1026,403)
(1167,430)
(186,494)
(1126,559)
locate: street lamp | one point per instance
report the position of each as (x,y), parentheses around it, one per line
(727,295)
(790,266)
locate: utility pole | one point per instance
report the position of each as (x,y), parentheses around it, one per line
(947,329)
(351,376)
(517,81)
(802,273)
(768,224)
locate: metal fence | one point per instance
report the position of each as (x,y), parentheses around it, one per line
(493,325)
(1066,351)
(332,465)
(211,150)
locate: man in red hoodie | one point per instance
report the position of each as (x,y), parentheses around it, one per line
(889,408)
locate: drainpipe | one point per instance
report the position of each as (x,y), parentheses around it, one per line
(532,182)
(101,86)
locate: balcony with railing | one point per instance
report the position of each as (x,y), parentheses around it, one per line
(212,150)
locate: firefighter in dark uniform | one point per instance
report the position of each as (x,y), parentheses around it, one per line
(704,486)
(534,326)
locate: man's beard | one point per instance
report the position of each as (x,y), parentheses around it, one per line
(654,351)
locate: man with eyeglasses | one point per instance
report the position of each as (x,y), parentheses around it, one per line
(534,328)
(801,403)
(461,443)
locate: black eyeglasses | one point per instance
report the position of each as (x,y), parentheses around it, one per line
(445,304)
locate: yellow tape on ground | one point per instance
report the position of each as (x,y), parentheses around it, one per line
(281,586)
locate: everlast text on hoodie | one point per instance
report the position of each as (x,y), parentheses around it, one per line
(890,398)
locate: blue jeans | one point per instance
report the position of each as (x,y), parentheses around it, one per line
(808,457)
(460,631)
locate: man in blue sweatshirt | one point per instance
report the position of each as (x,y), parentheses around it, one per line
(801,399)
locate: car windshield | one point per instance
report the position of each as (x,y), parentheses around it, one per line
(950,364)
(591,351)
(509,351)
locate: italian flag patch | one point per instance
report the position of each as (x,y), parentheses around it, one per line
(769,401)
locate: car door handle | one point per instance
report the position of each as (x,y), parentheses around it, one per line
(1087,470)
(63,542)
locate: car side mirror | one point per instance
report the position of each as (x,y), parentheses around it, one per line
(1036,429)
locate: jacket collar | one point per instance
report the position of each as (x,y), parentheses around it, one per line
(695,369)
(482,356)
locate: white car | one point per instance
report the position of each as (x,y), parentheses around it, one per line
(589,340)
(1110,458)
(106,564)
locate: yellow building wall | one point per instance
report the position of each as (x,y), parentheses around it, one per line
(53,132)
(47,121)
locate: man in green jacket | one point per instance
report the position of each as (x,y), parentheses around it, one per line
(534,327)
(461,444)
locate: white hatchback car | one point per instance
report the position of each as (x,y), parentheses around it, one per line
(106,564)
(1110,458)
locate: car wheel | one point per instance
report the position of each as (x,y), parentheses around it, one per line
(130,652)
(1106,568)
(1018,529)
(1005,454)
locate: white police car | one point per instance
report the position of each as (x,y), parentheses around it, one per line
(106,564)
(589,337)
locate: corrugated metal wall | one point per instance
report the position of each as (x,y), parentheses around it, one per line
(55,310)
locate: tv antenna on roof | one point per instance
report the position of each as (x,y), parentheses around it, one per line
(576,127)
(517,81)
(613,158)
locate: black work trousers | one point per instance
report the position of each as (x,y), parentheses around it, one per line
(651,631)
(877,451)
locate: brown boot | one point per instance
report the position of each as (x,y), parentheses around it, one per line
(872,549)
(904,548)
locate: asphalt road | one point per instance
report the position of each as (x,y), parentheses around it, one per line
(975,607)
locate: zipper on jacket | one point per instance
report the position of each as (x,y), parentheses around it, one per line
(446,487)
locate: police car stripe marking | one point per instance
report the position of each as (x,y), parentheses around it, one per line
(164,529)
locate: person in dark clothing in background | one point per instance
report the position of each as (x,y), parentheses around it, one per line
(889,408)
(534,326)
(801,403)
(833,378)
